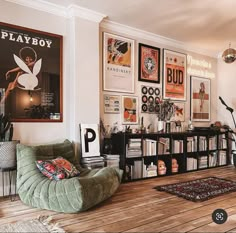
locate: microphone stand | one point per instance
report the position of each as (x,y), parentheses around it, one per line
(229,109)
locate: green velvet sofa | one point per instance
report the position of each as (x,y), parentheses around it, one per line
(68,195)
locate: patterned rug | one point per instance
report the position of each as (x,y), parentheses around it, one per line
(200,189)
(42,224)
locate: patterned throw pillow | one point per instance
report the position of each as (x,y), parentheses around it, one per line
(50,170)
(69,169)
(57,169)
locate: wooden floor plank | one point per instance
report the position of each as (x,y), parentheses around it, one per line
(138,207)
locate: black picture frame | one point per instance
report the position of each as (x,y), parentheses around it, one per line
(149,63)
(31,74)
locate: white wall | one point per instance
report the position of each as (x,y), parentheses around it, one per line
(226,88)
(80,74)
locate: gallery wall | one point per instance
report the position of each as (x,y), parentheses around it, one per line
(197,69)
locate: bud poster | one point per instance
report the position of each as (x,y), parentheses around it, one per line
(30,74)
(174,78)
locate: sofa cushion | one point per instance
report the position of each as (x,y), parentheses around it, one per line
(57,169)
(51,170)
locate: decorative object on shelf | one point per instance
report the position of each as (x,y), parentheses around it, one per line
(118,63)
(161,167)
(190,126)
(229,55)
(175,165)
(178,126)
(200,189)
(33,69)
(129,112)
(174,75)
(200,99)
(149,63)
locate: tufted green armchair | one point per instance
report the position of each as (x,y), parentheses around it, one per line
(67,195)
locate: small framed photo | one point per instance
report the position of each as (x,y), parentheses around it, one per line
(149,64)
(200,99)
(118,63)
(111,103)
(174,75)
(179,112)
(129,112)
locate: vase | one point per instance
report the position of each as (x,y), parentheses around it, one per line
(160,126)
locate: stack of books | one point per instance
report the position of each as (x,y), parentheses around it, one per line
(112,160)
(93,162)
(134,148)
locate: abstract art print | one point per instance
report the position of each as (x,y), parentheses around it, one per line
(118,63)
(129,110)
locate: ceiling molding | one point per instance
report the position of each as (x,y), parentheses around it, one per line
(74,10)
(42,6)
(110,25)
(70,11)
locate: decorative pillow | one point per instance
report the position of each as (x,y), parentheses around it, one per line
(50,170)
(57,169)
(69,169)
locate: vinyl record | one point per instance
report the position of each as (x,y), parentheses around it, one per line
(144,99)
(157,91)
(150,91)
(144,90)
(151,108)
(150,99)
(157,100)
(144,107)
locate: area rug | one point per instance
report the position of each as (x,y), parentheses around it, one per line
(200,189)
(41,224)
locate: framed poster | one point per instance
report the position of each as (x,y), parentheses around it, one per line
(118,63)
(179,112)
(200,99)
(174,75)
(90,142)
(149,64)
(31,74)
(111,103)
(129,110)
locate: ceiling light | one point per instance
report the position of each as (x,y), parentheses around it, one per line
(229,55)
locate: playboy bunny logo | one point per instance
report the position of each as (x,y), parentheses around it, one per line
(28,80)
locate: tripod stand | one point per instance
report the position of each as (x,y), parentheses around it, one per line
(230,130)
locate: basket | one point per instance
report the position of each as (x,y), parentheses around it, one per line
(8,154)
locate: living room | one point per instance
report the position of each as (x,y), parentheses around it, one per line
(82,96)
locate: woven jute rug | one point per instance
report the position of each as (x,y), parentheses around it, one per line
(41,224)
(200,189)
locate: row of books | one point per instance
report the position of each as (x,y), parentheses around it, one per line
(134,147)
(108,160)
(213,160)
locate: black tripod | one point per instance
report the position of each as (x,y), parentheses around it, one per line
(230,130)
(229,109)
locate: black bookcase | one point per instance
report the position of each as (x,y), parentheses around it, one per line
(162,154)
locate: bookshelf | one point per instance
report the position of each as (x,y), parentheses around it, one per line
(161,154)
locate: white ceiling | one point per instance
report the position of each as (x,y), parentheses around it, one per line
(203,24)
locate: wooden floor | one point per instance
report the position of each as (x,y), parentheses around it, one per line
(137,207)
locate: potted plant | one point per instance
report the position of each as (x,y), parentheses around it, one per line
(7,146)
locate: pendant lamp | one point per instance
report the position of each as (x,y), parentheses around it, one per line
(229,55)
